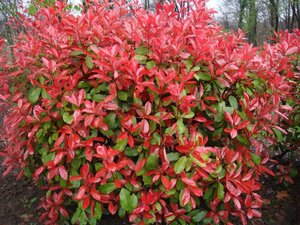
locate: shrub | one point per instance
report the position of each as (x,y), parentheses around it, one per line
(149,114)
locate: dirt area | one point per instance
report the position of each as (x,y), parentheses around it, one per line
(282,204)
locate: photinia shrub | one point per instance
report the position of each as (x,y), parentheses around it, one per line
(160,116)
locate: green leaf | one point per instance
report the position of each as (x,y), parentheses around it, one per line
(220,191)
(256,158)
(27,172)
(32,9)
(180,126)
(131,152)
(83,219)
(180,165)
(199,216)
(141,50)
(133,202)
(243,139)
(89,62)
(45,94)
(98,211)
(110,120)
(76,216)
(122,95)
(98,97)
(188,64)
(141,58)
(151,162)
(195,69)
(190,115)
(34,94)
(121,144)
(150,64)
(293,172)
(107,188)
(76,53)
(127,201)
(233,101)
(203,76)
(173,156)
(208,193)
(67,118)
(48,157)
(121,212)
(278,135)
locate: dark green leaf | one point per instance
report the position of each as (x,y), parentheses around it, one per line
(199,216)
(151,162)
(122,95)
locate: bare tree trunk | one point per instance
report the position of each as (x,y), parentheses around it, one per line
(294,16)
(298,12)
(274,14)
(252,22)
(243,4)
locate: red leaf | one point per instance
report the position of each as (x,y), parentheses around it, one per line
(80,193)
(145,126)
(112,208)
(196,191)
(229,118)
(148,107)
(64,212)
(165,182)
(38,171)
(140,165)
(185,197)
(63,172)
(96,195)
(58,158)
(86,202)
(189,182)
(84,170)
(235,192)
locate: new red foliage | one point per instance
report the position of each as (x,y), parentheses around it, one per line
(158,115)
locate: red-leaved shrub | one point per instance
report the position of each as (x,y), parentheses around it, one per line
(158,115)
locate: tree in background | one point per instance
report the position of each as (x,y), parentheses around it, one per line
(9,10)
(260,18)
(252,22)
